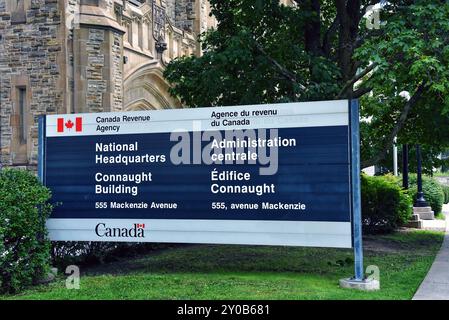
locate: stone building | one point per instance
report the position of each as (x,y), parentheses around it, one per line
(72,56)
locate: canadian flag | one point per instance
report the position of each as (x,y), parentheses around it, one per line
(140,225)
(68,124)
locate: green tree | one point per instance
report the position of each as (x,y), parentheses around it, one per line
(265,52)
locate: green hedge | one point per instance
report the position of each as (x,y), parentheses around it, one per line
(446,193)
(24,248)
(385,206)
(83,253)
(433,191)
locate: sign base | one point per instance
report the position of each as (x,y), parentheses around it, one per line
(424,213)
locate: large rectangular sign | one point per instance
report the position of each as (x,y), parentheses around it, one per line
(277,174)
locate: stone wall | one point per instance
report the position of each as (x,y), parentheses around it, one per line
(193,16)
(204,15)
(185,14)
(170,9)
(30,57)
(98,59)
(117,72)
(96,85)
(69,57)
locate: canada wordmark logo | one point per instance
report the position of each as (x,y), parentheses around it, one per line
(137,230)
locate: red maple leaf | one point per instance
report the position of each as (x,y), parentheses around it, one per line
(69,124)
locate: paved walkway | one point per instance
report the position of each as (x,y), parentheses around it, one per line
(436,284)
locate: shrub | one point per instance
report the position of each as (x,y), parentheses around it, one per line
(66,253)
(385,206)
(433,191)
(446,193)
(83,253)
(24,248)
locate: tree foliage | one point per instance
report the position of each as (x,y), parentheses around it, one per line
(255,55)
(411,54)
(265,52)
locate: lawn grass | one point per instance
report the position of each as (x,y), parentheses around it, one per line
(440,174)
(440,216)
(254,272)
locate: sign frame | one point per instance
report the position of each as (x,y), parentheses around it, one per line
(354,164)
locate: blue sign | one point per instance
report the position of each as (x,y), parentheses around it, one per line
(275,174)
